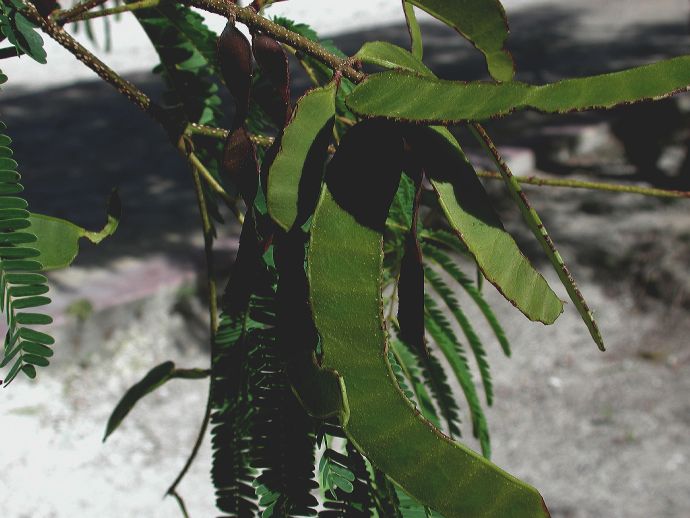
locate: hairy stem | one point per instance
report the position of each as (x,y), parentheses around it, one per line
(56,32)
(594,186)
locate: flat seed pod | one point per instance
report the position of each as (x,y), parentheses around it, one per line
(294,180)
(272,59)
(468,210)
(364,173)
(345,273)
(235,58)
(240,165)
(319,391)
(410,97)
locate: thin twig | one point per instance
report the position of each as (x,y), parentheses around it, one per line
(134,6)
(67,15)
(180,502)
(595,186)
(213,314)
(77,49)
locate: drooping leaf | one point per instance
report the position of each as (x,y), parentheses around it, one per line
(483,23)
(294,178)
(468,210)
(410,97)
(58,239)
(156,377)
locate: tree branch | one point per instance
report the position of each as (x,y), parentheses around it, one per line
(123,86)
(64,16)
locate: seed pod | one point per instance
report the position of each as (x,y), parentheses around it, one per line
(239,164)
(272,59)
(364,173)
(235,58)
(345,275)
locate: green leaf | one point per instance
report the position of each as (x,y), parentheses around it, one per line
(33,43)
(387,55)
(468,210)
(153,379)
(482,22)
(58,239)
(296,173)
(405,96)
(33,359)
(36,349)
(33,319)
(417,45)
(3,79)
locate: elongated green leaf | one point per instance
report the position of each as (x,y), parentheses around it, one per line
(295,175)
(404,96)
(388,55)
(541,234)
(382,423)
(58,239)
(483,22)
(468,210)
(154,378)
(416,43)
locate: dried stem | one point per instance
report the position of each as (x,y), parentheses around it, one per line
(67,15)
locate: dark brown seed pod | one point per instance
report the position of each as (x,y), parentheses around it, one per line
(235,58)
(273,60)
(239,164)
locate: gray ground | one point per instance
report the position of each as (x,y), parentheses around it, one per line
(601,434)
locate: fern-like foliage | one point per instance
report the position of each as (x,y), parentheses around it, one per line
(22,287)
(344,479)
(284,435)
(448,297)
(231,471)
(449,265)
(187,51)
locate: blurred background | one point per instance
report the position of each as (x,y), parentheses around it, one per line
(600,434)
